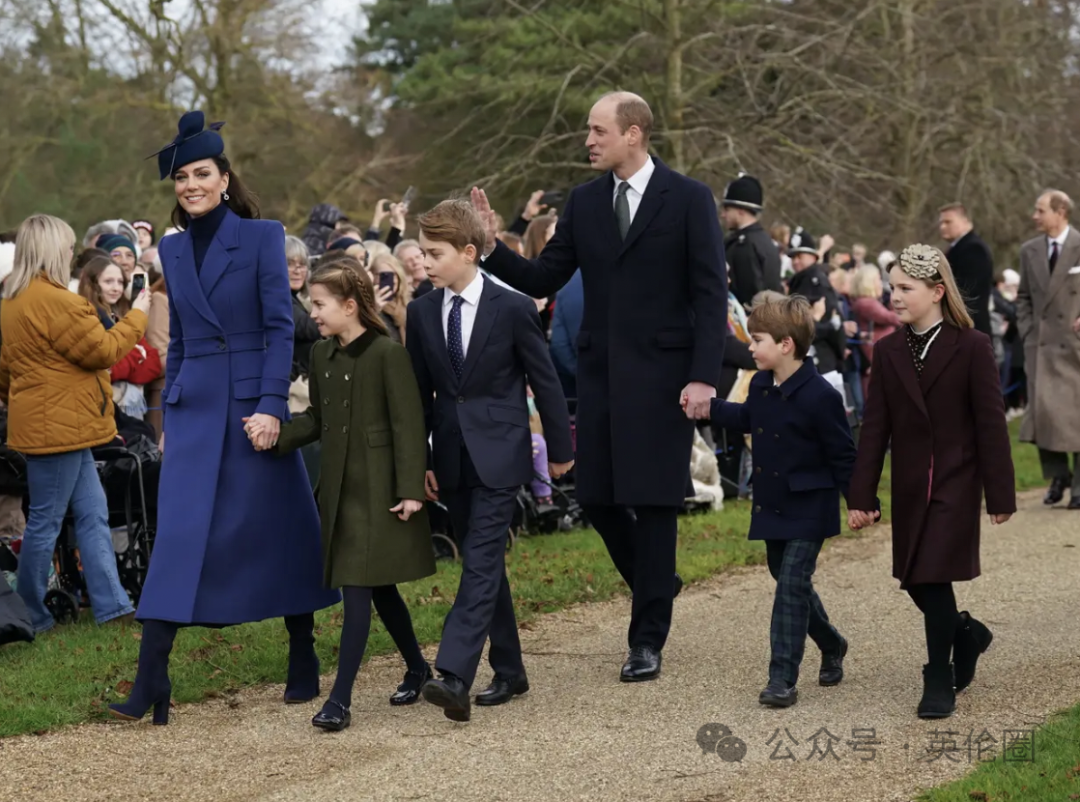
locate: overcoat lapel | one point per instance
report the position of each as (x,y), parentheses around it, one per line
(486,313)
(433,324)
(1069,257)
(938,357)
(900,354)
(184,280)
(651,203)
(604,203)
(218,259)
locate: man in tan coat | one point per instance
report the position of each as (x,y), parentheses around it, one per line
(1048,315)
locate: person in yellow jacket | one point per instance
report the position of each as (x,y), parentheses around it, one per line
(54,377)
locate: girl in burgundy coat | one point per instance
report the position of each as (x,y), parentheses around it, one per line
(936,395)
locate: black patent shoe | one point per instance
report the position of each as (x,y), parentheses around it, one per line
(334,717)
(832,665)
(408,691)
(502,690)
(939,698)
(641,665)
(777,694)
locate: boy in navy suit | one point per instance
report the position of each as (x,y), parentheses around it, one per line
(803,459)
(473,343)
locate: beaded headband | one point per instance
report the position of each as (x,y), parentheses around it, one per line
(920,261)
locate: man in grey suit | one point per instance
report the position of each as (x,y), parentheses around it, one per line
(1048,318)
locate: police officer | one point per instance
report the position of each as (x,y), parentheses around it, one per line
(754,258)
(812,282)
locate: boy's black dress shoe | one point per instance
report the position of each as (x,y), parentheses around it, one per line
(334,717)
(938,699)
(777,694)
(973,638)
(451,695)
(1074,502)
(832,665)
(641,665)
(1056,491)
(502,690)
(408,691)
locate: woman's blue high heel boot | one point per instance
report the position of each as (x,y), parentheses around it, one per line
(302,684)
(152,686)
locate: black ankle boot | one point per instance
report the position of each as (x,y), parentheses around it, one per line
(302,684)
(152,686)
(972,639)
(938,699)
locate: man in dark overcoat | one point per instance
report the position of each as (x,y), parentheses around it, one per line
(971,262)
(651,253)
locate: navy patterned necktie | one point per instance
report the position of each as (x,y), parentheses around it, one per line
(1053,255)
(454,344)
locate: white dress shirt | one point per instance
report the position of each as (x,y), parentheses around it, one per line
(1060,240)
(638,182)
(471,295)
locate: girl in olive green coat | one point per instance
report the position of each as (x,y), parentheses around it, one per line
(366,410)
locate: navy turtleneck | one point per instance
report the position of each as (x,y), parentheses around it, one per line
(203,230)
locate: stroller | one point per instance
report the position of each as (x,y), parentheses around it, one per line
(129,475)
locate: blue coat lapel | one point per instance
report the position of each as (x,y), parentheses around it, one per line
(218,259)
(184,280)
(486,312)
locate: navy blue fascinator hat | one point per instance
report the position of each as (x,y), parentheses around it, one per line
(193,142)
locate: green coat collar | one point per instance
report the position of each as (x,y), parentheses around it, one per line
(357,347)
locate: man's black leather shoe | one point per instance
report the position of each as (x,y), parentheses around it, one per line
(451,695)
(502,690)
(1056,492)
(641,665)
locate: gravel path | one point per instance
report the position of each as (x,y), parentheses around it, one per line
(580,734)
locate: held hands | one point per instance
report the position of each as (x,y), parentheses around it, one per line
(558,469)
(431,487)
(858,519)
(487,217)
(262,430)
(696,399)
(407,507)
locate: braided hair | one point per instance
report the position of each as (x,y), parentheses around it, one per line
(345,279)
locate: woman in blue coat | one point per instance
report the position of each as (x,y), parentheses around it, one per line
(238,534)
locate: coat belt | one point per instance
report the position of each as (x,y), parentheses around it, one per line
(224,344)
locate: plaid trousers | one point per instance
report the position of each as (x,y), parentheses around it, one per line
(797,609)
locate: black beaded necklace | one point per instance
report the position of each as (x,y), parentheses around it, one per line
(919,343)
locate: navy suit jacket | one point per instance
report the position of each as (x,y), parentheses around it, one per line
(655,319)
(803,453)
(487,410)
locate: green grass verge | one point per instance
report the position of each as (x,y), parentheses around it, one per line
(1050,771)
(71,673)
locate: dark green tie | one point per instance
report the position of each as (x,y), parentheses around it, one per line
(622,209)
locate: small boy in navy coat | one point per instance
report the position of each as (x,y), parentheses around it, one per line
(803,459)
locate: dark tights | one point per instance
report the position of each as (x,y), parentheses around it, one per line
(357,626)
(938,605)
